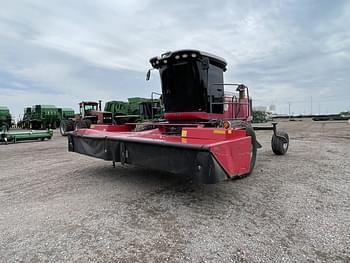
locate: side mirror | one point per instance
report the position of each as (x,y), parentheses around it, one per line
(148,75)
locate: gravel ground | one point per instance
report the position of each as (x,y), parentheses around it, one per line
(61,207)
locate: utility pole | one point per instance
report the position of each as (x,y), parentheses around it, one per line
(311,105)
(289,109)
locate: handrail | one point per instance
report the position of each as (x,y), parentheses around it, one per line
(153,93)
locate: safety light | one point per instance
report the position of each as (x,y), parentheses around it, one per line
(184,55)
(177,57)
(194,55)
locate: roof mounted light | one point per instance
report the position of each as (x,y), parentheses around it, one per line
(193,55)
(184,55)
(165,61)
(177,57)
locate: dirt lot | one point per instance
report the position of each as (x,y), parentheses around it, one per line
(58,206)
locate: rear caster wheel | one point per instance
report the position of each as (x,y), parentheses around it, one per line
(280,143)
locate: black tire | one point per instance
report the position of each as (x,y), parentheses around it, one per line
(280,145)
(250,131)
(81,124)
(88,123)
(70,125)
(77,125)
(64,127)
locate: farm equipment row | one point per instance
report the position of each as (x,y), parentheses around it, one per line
(44,117)
(115,112)
(195,127)
(206,132)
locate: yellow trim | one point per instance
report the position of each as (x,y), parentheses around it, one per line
(217,131)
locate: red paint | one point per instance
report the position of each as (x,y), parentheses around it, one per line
(234,109)
(111,127)
(231,147)
(234,156)
(214,133)
(191,116)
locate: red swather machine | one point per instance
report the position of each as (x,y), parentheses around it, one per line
(206,133)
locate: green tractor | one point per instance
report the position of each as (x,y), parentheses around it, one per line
(134,110)
(5,118)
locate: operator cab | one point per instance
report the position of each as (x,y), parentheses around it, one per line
(86,107)
(192,81)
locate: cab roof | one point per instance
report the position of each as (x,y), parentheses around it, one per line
(186,54)
(89,102)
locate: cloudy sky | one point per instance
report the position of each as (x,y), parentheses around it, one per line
(61,52)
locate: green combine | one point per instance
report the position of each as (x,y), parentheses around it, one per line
(41,117)
(44,117)
(5,118)
(135,109)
